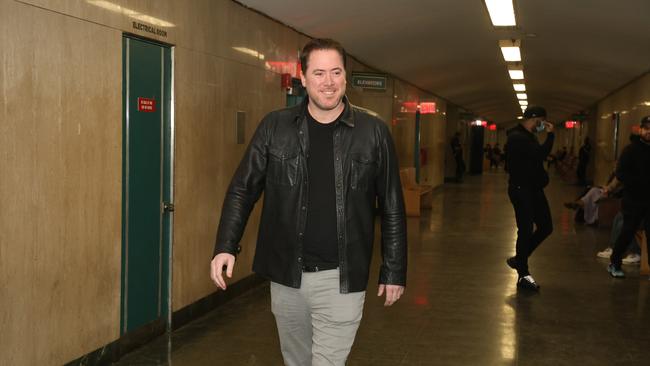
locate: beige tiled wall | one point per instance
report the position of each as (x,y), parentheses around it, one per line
(432,132)
(633,102)
(61,161)
(61,155)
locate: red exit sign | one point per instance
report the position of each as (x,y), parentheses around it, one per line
(146,105)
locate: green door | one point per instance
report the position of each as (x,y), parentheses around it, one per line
(146,188)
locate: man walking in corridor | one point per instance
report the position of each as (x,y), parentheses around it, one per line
(322,165)
(633,172)
(526,189)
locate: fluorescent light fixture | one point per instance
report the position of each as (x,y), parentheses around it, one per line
(510,50)
(523,103)
(516,74)
(502,13)
(249,52)
(130,13)
(522,96)
(520,117)
(519,87)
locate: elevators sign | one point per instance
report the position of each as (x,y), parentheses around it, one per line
(369,80)
(146,105)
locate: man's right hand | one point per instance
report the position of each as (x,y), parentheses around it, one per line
(216,268)
(548,126)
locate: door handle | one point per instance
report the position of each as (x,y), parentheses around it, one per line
(168,207)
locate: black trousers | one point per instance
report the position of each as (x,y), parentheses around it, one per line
(534,223)
(634,213)
(582,172)
(460,167)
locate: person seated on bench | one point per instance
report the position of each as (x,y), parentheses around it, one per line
(587,204)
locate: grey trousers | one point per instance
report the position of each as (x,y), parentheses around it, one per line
(316,323)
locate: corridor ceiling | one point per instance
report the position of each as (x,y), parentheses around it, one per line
(574,52)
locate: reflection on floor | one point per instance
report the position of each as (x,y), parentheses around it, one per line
(461,305)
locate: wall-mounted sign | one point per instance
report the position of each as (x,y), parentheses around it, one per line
(369,80)
(570,124)
(427,107)
(146,105)
(149,29)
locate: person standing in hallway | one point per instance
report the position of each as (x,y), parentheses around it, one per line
(583,159)
(633,172)
(457,150)
(526,189)
(322,166)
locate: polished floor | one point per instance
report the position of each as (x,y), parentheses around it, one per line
(461,306)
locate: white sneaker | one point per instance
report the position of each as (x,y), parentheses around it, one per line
(605,253)
(632,259)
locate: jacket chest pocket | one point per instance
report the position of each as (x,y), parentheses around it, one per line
(363,170)
(282,167)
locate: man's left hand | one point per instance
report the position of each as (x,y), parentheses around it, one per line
(393,293)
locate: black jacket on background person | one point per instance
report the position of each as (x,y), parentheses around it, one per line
(525,158)
(633,170)
(366,171)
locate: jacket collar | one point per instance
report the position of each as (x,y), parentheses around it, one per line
(525,130)
(347,116)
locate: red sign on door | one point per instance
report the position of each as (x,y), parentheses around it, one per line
(146,105)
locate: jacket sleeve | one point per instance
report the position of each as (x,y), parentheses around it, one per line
(623,167)
(393,218)
(547,146)
(243,192)
(524,147)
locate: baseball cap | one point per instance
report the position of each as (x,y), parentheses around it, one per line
(645,120)
(534,111)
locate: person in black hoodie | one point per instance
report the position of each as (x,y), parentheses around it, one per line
(525,159)
(633,172)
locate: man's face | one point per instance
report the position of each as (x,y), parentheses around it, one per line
(324,79)
(644,132)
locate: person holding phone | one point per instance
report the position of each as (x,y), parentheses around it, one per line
(525,161)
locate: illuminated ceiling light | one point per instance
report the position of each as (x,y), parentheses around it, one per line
(520,117)
(249,52)
(646,103)
(510,50)
(523,103)
(522,96)
(516,72)
(130,13)
(519,87)
(502,13)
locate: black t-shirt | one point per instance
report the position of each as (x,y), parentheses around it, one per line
(320,246)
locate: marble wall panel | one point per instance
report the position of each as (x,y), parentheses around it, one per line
(61,164)
(632,102)
(432,132)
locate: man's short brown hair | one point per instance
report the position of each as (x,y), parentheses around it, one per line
(317,44)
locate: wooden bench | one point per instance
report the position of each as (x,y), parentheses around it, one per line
(607,210)
(416,196)
(641,239)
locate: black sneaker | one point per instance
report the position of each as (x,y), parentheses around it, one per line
(528,283)
(512,262)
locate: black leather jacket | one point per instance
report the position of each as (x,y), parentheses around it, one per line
(366,172)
